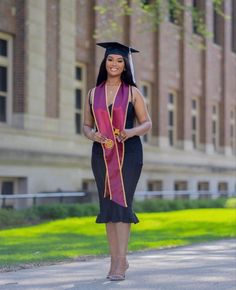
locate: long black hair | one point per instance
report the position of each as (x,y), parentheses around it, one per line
(126,75)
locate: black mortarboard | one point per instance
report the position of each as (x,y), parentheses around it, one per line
(116,48)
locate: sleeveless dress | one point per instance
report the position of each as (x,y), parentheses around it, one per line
(131,170)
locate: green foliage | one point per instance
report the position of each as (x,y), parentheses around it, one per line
(110,12)
(73,237)
(54,211)
(218,8)
(231,203)
(122,7)
(160,205)
(42,213)
(151,14)
(79,210)
(60,211)
(37,214)
(10,217)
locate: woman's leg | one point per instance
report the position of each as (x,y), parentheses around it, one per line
(113,246)
(122,234)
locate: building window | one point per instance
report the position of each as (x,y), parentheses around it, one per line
(145,2)
(195,123)
(215,127)
(203,186)
(196,16)
(172,120)
(217,21)
(174,11)
(89,185)
(146,90)
(155,185)
(233,25)
(233,130)
(5,77)
(7,187)
(80,91)
(181,185)
(223,187)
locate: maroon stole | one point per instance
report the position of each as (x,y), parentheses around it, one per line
(109,125)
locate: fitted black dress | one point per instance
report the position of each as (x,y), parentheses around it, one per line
(131,170)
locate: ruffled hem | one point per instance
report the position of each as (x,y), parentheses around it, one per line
(126,217)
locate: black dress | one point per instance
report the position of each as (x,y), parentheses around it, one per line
(131,170)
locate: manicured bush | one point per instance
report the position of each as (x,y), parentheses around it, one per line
(37,214)
(9,217)
(31,215)
(84,209)
(160,205)
(60,211)
(54,211)
(231,203)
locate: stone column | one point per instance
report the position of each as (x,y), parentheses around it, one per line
(67,37)
(184,100)
(35,64)
(19,98)
(205,103)
(159,103)
(225,98)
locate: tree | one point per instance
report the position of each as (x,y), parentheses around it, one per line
(151,14)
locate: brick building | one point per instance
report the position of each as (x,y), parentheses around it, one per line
(48,61)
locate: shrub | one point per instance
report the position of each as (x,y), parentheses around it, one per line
(31,215)
(37,214)
(9,217)
(160,205)
(84,209)
(230,203)
(51,211)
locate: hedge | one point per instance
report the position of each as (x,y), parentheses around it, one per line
(15,218)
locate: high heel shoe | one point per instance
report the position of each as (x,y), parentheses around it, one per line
(119,274)
(117,277)
(112,267)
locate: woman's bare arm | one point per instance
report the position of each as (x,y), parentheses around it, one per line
(88,124)
(142,115)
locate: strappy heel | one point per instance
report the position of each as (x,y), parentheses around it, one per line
(112,268)
(119,274)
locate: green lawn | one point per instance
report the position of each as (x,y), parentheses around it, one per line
(73,237)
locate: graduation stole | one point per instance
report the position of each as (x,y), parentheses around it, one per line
(109,125)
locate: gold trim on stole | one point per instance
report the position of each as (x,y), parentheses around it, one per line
(120,162)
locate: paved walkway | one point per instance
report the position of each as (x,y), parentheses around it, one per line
(208,266)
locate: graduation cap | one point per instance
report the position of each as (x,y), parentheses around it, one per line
(121,49)
(116,48)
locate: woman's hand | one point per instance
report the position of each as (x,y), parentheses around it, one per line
(97,137)
(125,134)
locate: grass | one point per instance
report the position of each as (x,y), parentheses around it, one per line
(75,237)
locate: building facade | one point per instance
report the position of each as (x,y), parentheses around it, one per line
(48,62)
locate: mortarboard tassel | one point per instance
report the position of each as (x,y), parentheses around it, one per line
(131,64)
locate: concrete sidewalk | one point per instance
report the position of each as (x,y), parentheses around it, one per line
(208,266)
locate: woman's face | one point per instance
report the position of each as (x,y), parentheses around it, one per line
(115,64)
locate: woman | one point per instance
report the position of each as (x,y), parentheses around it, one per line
(112,107)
